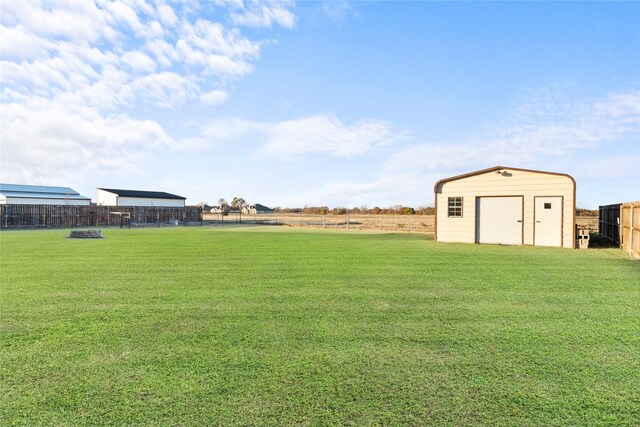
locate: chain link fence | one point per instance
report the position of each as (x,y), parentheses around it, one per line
(413,223)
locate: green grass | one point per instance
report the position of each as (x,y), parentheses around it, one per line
(265,326)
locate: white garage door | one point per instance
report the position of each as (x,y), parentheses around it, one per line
(499,220)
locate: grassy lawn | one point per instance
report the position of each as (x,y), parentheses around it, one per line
(268,326)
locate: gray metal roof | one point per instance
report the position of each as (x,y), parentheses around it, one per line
(143,194)
(260,207)
(40,192)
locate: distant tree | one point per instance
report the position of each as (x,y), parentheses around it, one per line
(223,208)
(324,210)
(587,212)
(290,210)
(202,204)
(314,210)
(426,211)
(376,210)
(408,211)
(309,210)
(238,203)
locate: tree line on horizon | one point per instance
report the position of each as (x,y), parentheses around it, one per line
(239,203)
(362,210)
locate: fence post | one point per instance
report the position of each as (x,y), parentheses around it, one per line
(619,222)
(631,230)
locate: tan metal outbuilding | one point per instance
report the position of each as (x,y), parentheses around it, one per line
(510,206)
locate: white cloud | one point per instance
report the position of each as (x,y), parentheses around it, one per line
(164,52)
(78,21)
(21,45)
(536,131)
(43,140)
(139,62)
(540,132)
(120,12)
(337,11)
(328,135)
(165,89)
(73,47)
(230,128)
(215,97)
(318,134)
(386,190)
(625,167)
(264,14)
(74,74)
(167,16)
(212,37)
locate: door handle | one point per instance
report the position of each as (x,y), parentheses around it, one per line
(538,222)
(520,220)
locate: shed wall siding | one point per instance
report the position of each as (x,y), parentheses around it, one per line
(520,183)
(106,198)
(143,201)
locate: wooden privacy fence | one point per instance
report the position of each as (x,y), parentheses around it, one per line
(620,224)
(55,216)
(630,228)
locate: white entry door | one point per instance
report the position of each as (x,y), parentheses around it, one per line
(499,220)
(548,221)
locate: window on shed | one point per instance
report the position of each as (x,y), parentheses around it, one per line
(455,207)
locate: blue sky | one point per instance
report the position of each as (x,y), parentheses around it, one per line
(313,103)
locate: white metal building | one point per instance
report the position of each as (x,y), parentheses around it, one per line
(114,197)
(14,194)
(509,206)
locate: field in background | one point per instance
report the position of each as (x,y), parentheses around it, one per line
(589,223)
(263,325)
(414,223)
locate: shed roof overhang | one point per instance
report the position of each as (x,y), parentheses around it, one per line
(497,168)
(143,194)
